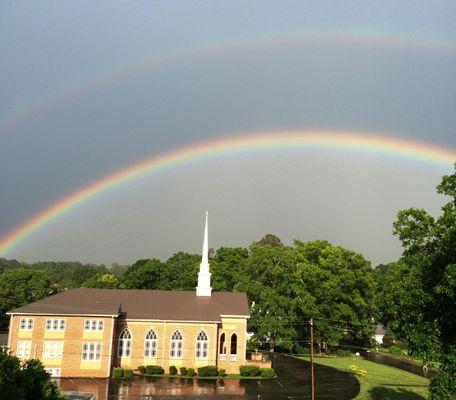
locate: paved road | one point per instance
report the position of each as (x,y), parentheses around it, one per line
(292,383)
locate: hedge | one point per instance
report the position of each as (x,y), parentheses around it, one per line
(221,372)
(191,372)
(117,372)
(154,370)
(395,350)
(267,372)
(183,371)
(249,370)
(210,370)
(172,370)
(142,369)
(128,373)
(343,353)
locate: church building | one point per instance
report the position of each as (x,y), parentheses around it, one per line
(86,332)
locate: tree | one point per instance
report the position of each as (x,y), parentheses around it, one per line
(21,286)
(428,317)
(227,266)
(180,272)
(105,281)
(25,380)
(143,274)
(336,287)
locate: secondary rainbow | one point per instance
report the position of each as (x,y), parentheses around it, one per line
(351,141)
(115,73)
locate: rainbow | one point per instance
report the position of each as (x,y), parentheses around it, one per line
(352,141)
(71,90)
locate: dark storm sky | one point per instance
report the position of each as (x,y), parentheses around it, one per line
(223,68)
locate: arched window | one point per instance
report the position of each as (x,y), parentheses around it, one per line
(201,345)
(150,344)
(176,345)
(125,343)
(233,347)
(222,347)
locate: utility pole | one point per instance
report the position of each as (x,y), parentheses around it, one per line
(312,380)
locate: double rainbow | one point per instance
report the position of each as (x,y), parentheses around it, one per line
(320,140)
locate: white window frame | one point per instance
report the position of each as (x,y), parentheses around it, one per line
(150,344)
(202,346)
(94,325)
(54,372)
(23,348)
(92,348)
(55,325)
(176,345)
(52,349)
(125,344)
(26,324)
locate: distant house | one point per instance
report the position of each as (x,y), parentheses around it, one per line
(86,332)
(380,331)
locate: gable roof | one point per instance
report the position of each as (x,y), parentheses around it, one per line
(141,304)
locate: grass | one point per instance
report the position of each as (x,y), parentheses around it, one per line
(381,381)
(414,360)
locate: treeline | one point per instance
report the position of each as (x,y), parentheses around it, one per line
(285,286)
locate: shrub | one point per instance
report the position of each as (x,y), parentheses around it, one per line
(395,350)
(142,369)
(191,372)
(221,372)
(343,353)
(117,372)
(183,371)
(301,350)
(210,370)
(267,372)
(249,370)
(172,370)
(127,373)
(403,344)
(154,370)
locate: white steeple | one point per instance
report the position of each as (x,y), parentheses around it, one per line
(204,276)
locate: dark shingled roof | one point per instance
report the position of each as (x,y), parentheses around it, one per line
(141,304)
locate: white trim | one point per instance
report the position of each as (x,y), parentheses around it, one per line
(94,351)
(234,316)
(215,345)
(10,330)
(52,324)
(163,351)
(26,323)
(46,353)
(201,349)
(177,340)
(64,314)
(150,344)
(131,343)
(110,347)
(171,320)
(97,323)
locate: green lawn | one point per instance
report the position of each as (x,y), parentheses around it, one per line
(381,382)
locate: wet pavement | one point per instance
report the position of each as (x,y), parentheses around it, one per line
(292,383)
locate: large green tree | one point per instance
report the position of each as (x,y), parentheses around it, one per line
(21,286)
(427,315)
(25,380)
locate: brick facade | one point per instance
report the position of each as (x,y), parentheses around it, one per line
(74,336)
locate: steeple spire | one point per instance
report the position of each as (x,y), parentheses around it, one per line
(204,276)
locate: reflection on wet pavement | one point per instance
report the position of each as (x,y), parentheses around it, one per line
(292,382)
